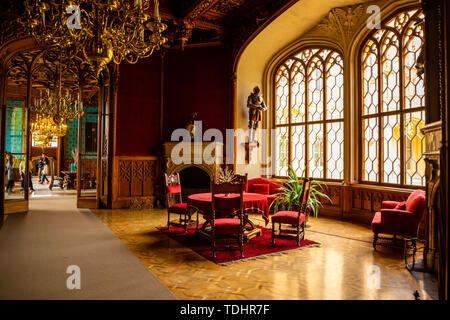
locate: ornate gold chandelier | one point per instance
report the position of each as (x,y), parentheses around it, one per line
(60,106)
(103,30)
(44,130)
(53,109)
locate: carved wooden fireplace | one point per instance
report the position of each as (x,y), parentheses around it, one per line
(434,222)
(194,180)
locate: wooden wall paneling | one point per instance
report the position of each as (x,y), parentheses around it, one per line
(359,202)
(135,177)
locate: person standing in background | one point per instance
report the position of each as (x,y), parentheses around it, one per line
(22,174)
(45,169)
(10,173)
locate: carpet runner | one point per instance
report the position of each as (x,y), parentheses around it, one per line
(256,248)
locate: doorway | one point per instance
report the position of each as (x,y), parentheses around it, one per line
(71,157)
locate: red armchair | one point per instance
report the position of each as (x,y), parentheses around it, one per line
(264,186)
(399,218)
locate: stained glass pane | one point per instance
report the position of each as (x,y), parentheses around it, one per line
(335,86)
(414,148)
(298,148)
(315,150)
(390,63)
(282,151)
(298,92)
(370,78)
(400,20)
(414,86)
(335,150)
(391,147)
(282,94)
(315,90)
(370,149)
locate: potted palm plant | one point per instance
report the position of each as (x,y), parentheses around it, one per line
(291,190)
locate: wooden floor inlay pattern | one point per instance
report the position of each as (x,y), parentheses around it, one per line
(338,269)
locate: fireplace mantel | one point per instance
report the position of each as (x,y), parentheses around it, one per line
(207,156)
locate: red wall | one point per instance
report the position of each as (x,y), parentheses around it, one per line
(138,104)
(196,79)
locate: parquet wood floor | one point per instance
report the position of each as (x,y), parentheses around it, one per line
(338,269)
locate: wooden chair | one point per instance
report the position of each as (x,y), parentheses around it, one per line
(227,227)
(237,179)
(175,204)
(293,218)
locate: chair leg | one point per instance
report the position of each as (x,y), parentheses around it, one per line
(214,248)
(375,239)
(241,243)
(168,220)
(303,230)
(273,232)
(185,222)
(196,227)
(414,254)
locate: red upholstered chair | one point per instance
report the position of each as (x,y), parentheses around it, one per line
(230,228)
(174,201)
(293,218)
(399,218)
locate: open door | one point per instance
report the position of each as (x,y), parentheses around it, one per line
(88,157)
(104,140)
(15,147)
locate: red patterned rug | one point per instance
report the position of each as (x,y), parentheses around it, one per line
(256,248)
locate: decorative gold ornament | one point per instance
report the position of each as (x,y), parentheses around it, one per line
(44,131)
(52,110)
(103,30)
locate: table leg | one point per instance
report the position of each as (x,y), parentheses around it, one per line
(250,231)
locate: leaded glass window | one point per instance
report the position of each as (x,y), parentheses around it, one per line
(308,114)
(393,103)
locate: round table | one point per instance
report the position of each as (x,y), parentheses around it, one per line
(253,202)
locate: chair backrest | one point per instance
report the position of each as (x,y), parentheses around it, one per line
(304,197)
(227,205)
(173,185)
(416,203)
(240,179)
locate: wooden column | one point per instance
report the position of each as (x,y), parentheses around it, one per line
(79,147)
(161,100)
(3,78)
(27,133)
(436,90)
(112,111)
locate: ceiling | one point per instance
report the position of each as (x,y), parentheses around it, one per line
(195,22)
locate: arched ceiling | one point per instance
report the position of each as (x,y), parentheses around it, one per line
(192,22)
(285,29)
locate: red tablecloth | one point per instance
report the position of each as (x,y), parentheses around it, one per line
(253,202)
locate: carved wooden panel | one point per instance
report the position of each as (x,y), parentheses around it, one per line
(358,201)
(134,178)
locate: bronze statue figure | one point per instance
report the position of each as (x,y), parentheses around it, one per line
(256,105)
(190,125)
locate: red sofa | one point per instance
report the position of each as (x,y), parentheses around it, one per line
(400,218)
(263,186)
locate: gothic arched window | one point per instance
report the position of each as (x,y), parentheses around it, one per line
(393,103)
(308,114)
